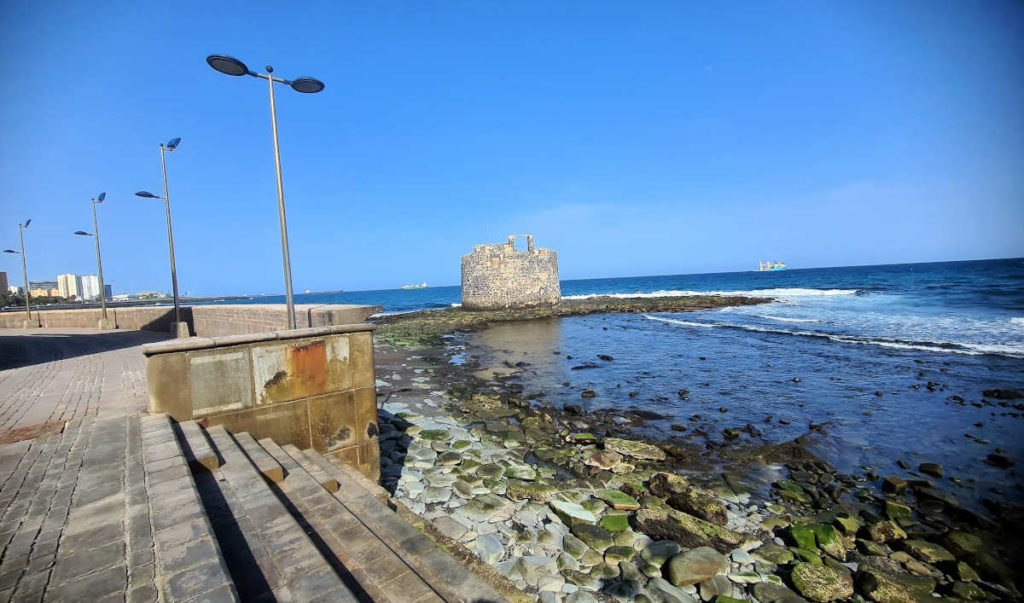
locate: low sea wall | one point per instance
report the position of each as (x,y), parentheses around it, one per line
(203,321)
(313,388)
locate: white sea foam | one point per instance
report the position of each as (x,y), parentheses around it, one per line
(1017,321)
(785,319)
(776,293)
(972,349)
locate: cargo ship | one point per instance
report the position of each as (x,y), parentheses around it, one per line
(770,266)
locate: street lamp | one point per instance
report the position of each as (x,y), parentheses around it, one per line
(176,328)
(104,324)
(307,85)
(24,270)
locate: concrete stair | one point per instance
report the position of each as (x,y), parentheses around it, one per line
(275,523)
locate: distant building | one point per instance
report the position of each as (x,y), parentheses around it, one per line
(70,285)
(3,281)
(44,292)
(108,292)
(33,285)
(90,287)
(14,290)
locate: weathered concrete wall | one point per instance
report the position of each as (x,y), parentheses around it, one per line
(313,388)
(147,318)
(497,277)
(204,321)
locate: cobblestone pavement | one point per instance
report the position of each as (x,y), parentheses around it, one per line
(74,513)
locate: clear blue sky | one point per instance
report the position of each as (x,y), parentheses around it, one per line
(633,138)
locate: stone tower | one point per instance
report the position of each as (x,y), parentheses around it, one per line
(498,277)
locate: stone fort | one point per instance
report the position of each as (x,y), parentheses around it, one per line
(498,277)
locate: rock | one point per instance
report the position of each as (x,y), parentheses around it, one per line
(659,552)
(603,459)
(872,548)
(773,553)
(885,531)
(820,582)
(1003,394)
(766,592)
(532,568)
(928,552)
(489,549)
(715,586)
(523,472)
(965,572)
(999,460)
(687,530)
(535,491)
(802,535)
(574,546)
(589,393)
(741,556)
(633,449)
(605,357)
(885,586)
(745,577)
(969,592)
(792,491)
(680,495)
(434,494)
(615,554)
(933,469)
(894,485)
(897,511)
(847,525)
(550,584)
(488,508)
(662,591)
(605,571)
(805,556)
(696,565)
(619,500)
(615,523)
(830,541)
(450,527)
(490,471)
(572,514)
(595,537)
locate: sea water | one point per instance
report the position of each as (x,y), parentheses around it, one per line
(889,362)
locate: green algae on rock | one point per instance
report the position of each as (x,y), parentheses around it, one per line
(821,583)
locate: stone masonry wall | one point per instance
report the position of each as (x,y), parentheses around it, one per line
(496,277)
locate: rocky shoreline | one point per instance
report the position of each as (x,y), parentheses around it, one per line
(574,506)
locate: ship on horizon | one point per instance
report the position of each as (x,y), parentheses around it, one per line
(419,286)
(770,266)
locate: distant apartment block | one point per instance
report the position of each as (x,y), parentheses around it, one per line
(70,286)
(4,285)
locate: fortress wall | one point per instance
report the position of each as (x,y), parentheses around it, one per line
(498,277)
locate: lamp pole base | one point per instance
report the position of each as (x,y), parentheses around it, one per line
(105,324)
(30,324)
(180,330)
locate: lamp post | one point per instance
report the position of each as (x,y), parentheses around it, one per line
(24,270)
(306,85)
(104,324)
(177,327)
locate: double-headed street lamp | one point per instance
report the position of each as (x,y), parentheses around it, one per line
(307,85)
(99,258)
(24,269)
(164,149)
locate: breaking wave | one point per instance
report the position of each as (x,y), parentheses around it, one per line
(973,349)
(776,293)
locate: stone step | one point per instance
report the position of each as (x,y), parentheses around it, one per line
(189,562)
(450,578)
(328,482)
(383,574)
(265,463)
(288,554)
(197,448)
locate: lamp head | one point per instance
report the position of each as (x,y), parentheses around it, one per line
(12,251)
(27,222)
(83,233)
(227,65)
(173,144)
(101,197)
(147,195)
(306,85)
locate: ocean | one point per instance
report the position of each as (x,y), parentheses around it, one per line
(891,362)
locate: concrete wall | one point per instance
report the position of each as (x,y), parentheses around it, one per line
(204,321)
(496,277)
(313,388)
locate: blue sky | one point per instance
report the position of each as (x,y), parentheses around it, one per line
(633,138)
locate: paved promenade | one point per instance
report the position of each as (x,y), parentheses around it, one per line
(74,515)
